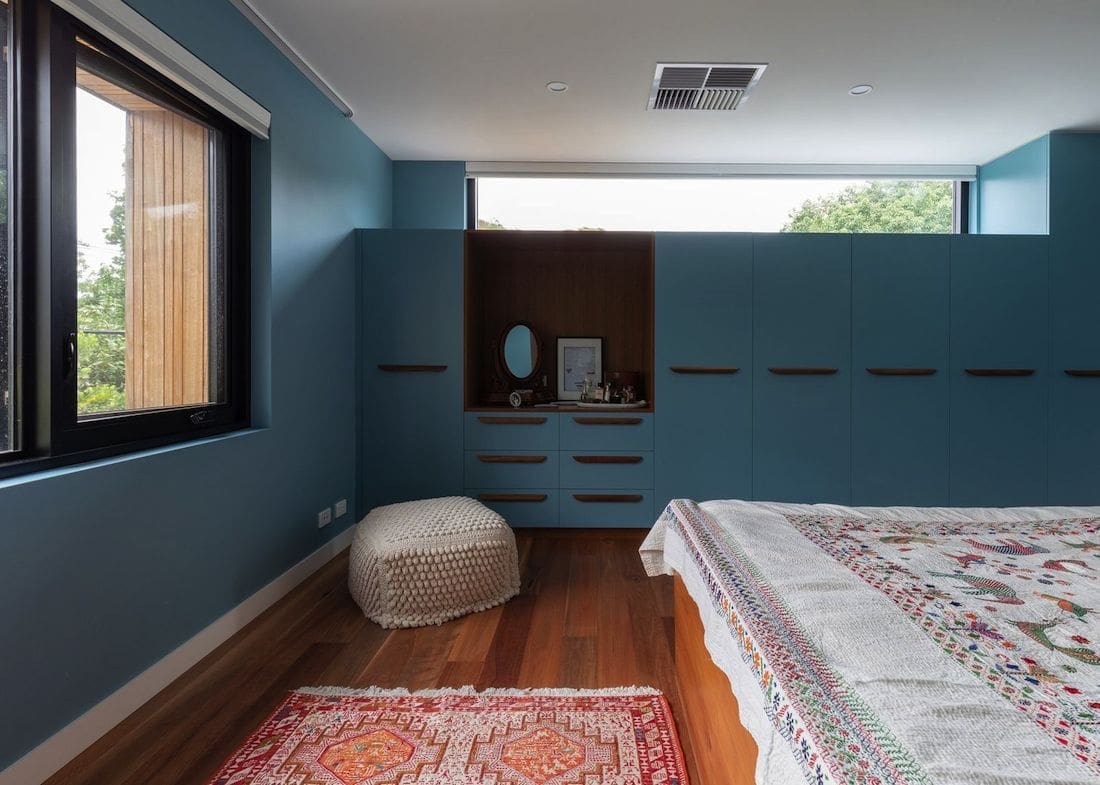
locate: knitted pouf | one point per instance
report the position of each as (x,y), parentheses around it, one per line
(425,562)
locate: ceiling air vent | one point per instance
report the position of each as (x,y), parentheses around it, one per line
(703,86)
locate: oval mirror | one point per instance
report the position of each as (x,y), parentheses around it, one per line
(521,351)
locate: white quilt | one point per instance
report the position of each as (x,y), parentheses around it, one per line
(900,645)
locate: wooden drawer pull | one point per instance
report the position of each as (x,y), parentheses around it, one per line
(512,458)
(1000,371)
(901,371)
(511,497)
(412,368)
(607,458)
(803,371)
(704,369)
(1083,372)
(588,498)
(608,420)
(511,420)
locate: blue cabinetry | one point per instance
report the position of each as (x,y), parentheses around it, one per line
(802,366)
(573,468)
(1074,468)
(703,362)
(412,324)
(899,369)
(999,361)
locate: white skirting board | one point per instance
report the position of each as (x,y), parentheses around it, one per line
(49,756)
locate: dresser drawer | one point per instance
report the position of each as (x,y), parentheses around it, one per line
(511,431)
(606,507)
(513,469)
(612,432)
(606,469)
(521,506)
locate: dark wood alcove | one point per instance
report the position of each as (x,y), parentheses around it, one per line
(590,284)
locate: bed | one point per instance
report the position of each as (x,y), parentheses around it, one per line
(886,645)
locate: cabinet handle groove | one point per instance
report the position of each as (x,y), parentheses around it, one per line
(512,458)
(803,371)
(608,420)
(607,458)
(391,368)
(511,420)
(1000,371)
(598,498)
(511,497)
(709,370)
(1083,372)
(901,371)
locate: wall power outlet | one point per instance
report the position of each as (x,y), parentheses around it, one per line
(324,518)
(341,507)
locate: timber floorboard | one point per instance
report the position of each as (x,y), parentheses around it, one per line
(587,616)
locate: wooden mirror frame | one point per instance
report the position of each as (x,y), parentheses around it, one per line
(502,361)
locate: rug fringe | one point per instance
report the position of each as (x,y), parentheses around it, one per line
(555,692)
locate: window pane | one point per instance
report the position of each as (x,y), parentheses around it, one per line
(8,440)
(726,204)
(149,298)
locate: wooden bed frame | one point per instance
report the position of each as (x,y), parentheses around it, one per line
(724,752)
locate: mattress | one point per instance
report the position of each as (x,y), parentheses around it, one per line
(900,645)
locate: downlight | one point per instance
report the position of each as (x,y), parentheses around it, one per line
(860,89)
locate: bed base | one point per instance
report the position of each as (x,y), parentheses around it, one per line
(723,751)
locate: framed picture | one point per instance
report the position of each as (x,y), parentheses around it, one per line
(578,359)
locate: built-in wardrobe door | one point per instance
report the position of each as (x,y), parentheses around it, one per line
(999,359)
(899,369)
(703,384)
(1074,461)
(802,364)
(411,300)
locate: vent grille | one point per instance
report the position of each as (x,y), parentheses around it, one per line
(703,87)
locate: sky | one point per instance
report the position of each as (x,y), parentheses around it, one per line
(100,154)
(701,204)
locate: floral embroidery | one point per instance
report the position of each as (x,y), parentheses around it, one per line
(835,736)
(1020,632)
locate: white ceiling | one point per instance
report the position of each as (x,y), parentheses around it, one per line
(956,81)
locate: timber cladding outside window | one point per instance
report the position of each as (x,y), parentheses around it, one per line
(167,254)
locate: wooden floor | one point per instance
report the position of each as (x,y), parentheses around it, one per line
(587,617)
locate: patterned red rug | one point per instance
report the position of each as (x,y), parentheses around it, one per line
(334,736)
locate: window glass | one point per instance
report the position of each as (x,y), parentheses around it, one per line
(729,204)
(150,308)
(8,439)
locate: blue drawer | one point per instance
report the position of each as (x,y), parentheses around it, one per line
(612,432)
(521,507)
(524,430)
(606,507)
(514,469)
(606,469)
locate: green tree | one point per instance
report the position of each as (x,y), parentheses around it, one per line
(490,223)
(101,316)
(878,206)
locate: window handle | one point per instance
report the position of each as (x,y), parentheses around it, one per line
(68,351)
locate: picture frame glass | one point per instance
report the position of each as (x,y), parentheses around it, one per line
(578,359)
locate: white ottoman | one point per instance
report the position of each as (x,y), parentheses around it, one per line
(425,562)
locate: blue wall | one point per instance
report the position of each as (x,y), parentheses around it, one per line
(106,568)
(1013,192)
(429,195)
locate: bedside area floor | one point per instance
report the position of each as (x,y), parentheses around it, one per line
(587,617)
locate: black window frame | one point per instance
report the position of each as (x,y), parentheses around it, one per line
(43,253)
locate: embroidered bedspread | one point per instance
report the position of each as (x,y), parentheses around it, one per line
(900,645)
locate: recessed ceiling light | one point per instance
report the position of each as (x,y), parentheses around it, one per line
(557,87)
(861,89)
